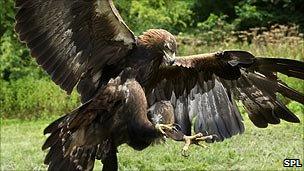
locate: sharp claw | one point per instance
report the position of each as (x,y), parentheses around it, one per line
(203,138)
(214,136)
(159,128)
(186,148)
(162,127)
(165,141)
(175,129)
(184,153)
(199,135)
(177,126)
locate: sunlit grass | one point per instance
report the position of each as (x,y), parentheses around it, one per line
(262,149)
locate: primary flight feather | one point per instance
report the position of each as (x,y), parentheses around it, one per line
(133,88)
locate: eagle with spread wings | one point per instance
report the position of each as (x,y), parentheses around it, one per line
(135,90)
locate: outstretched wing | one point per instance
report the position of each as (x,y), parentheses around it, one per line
(206,86)
(73,40)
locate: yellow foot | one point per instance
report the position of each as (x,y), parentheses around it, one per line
(162,127)
(195,139)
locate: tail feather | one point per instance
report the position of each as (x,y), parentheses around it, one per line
(51,140)
(78,138)
(72,119)
(54,125)
(54,151)
(59,156)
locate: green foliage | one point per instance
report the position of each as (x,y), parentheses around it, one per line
(172,15)
(7,13)
(249,16)
(258,13)
(214,29)
(31,98)
(203,9)
(14,57)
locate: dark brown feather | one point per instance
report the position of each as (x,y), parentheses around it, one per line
(117,114)
(69,37)
(220,78)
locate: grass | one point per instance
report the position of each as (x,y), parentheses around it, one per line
(256,149)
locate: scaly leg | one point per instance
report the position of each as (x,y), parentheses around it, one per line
(194,139)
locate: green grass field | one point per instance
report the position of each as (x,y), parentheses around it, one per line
(256,149)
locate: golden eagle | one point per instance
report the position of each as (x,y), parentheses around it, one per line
(134,89)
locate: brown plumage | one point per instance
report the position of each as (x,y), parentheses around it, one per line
(117,114)
(132,86)
(156,39)
(161,112)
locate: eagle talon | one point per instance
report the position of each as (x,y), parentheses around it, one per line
(185,151)
(195,139)
(162,127)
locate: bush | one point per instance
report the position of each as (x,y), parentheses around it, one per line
(249,16)
(15,61)
(264,13)
(30,98)
(172,15)
(215,29)
(203,9)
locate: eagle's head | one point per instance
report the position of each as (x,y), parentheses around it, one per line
(161,42)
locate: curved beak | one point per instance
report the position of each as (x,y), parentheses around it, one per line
(168,58)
